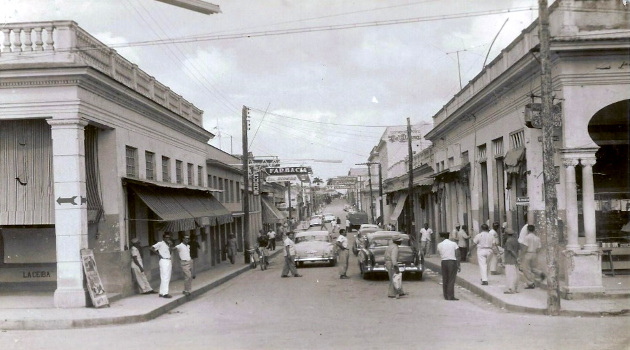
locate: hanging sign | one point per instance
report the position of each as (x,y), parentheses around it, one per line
(292,170)
(282,178)
(256,183)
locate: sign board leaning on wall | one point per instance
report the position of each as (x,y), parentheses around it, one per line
(94,284)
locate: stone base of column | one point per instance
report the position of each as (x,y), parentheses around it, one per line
(70,298)
(583,274)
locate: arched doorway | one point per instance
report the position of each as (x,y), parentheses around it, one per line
(609,128)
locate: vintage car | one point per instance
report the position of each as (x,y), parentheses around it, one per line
(360,237)
(372,255)
(356,220)
(316,220)
(314,246)
(328,217)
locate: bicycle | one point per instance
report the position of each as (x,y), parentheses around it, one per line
(252,256)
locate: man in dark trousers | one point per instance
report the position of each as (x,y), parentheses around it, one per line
(449,253)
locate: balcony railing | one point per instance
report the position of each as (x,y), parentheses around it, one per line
(64,43)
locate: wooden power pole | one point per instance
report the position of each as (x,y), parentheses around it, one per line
(410,231)
(549,172)
(245,186)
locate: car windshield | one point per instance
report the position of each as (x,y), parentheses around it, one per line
(312,238)
(384,242)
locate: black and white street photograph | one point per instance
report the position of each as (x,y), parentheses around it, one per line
(314,174)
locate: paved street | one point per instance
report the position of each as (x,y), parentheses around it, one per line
(319,311)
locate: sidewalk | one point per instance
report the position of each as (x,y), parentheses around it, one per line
(615,301)
(36,310)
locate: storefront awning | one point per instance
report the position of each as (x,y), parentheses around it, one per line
(513,159)
(270,214)
(181,210)
(400,204)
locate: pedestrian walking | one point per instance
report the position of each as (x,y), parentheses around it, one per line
(272,239)
(425,239)
(194,253)
(484,241)
(462,243)
(138,268)
(510,261)
(532,245)
(348,228)
(496,254)
(289,257)
(263,243)
(449,254)
(391,264)
(231,248)
(163,249)
(186,263)
(342,253)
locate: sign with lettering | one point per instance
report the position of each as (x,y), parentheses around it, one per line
(256,183)
(293,170)
(401,136)
(94,284)
(522,200)
(282,178)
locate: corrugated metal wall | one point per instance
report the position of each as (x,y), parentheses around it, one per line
(26,173)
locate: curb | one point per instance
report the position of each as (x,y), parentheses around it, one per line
(520,308)
(56,324)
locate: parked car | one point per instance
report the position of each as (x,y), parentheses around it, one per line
(316,220)
(328,217)
(314,246)
(372,255)
(357,219)
(360,237)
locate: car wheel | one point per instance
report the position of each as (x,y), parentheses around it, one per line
(333,262)
(355,251)
(418,276)
(300,264)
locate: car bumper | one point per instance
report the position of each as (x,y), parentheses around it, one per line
(315,259)
(381,268)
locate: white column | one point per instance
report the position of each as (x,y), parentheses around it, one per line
(588,202)
(571,203)
(70,210)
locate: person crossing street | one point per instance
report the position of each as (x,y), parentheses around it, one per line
(342,253)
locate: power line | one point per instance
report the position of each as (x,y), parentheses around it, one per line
(213,37)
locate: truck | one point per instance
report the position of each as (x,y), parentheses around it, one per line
(357,219)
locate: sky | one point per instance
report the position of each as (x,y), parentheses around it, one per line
(322,78)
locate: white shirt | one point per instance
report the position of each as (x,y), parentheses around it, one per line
(462,236)
(184,251)
(343,240)
(271,234)
(484,240)
(495,235)
(426,234)
(447,249)
(522,234)
(135,252)
(532,242)
(289,243)
(163,249)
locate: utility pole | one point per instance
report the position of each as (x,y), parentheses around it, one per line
(548,150)
(410,188)
(371,194)
(245,185)
(380,193)
(288,184)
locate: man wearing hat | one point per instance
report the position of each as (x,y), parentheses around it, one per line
(510,260)
(391,264)
(138,268)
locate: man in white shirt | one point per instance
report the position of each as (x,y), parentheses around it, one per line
(289,257)
(449,253)
(342,253)
(272,239)
(532,245)
(163,249)
(183,249)
(425,238)
(138,268)
(453,236)
(494,257)
(484,241)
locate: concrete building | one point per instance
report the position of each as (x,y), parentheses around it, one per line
(486,157)
(94,152)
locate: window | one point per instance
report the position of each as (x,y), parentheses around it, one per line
(149,159)
(131,159)
(220,183)
(227,190)
(517,139)
(238,192)
(465,158)
(481,153)
(190,172)
(232,191)
(200,176)
(166,169)
(497,148)
(451,162)
(179,178)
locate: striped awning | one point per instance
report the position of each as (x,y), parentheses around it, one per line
(400,204)
(270,214)
(181,210)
